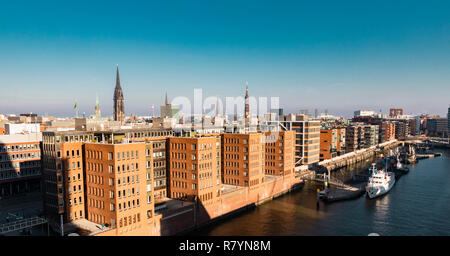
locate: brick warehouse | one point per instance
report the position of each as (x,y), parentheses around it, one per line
(96,191)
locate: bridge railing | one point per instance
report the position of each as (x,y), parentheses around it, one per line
(21,224)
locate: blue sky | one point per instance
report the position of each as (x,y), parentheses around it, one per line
(335,55)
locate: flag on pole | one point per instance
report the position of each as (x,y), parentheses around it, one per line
(75,106)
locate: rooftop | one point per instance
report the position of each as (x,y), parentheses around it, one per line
(229,188)
(84,227)
(170,205)
(19,138)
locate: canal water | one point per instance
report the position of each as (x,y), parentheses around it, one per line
(419,204)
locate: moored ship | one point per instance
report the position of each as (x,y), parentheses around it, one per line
(380,182)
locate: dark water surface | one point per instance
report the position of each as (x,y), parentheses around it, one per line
(419,204)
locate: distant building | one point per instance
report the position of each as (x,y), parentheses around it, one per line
(332,142)
(448,120)
(437,127)
(168,110)
(401,129)
(387,132)
(353,137)
(11,129)
(413,126)
(395,112)
(371,133)
(364,113)
(360,136)
(97,112)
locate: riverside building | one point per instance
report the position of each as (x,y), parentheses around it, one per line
(332,142)
(307,138)
(88,175)
(279,153)
(20,163)
(242,159)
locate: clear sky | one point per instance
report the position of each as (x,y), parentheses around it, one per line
(335,55)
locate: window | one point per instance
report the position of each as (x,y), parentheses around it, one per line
(110,156)
(149,187)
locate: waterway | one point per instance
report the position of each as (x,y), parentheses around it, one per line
(419,204)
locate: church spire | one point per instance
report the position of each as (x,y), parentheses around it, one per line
(247,107)
(97,112)
(119,109)
(117,78)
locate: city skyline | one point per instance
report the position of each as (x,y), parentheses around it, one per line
(312,57)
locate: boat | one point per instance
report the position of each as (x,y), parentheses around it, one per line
(399,167)
(380,182)
(412,155)
(412,159)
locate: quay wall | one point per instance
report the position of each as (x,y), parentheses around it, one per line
(200,214)
(356,156)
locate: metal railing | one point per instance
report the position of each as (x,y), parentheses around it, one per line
(21,224)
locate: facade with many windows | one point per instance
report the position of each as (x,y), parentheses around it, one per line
(193,169)
(20,163)
(242,159)
(102,177)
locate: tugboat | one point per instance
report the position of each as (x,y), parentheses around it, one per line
(380,182)
(412,155)
(400,168)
